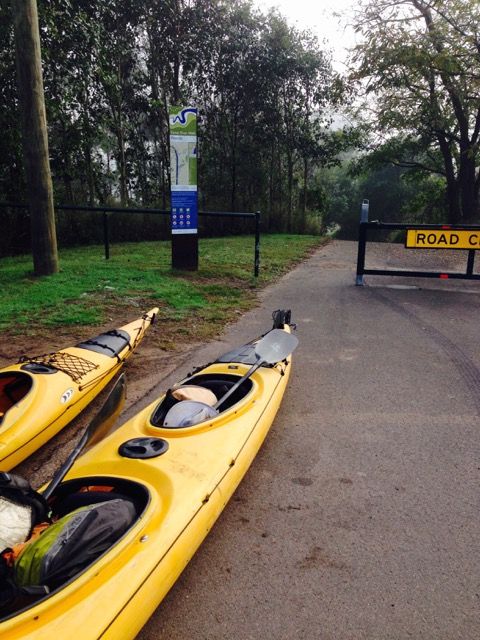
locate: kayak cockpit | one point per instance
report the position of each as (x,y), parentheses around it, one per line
(14,386)
(217,383)
(82,545)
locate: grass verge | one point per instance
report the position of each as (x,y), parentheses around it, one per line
(89,290)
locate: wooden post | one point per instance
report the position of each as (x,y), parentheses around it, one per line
(35,139)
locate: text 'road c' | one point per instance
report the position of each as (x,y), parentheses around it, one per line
(442,239)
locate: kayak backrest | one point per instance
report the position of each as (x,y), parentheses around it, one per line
(14,386)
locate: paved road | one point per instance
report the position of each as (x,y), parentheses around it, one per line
(359,518)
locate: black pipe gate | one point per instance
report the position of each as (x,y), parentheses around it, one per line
(362,247)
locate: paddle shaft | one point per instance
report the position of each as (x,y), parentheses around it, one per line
(66,466)
(98,425)
(237,384)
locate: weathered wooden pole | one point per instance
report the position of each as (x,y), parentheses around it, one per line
(35,138)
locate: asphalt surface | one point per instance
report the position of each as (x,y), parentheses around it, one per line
(359,517)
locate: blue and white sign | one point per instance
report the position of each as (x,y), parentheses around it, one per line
(183,170)
(184,211)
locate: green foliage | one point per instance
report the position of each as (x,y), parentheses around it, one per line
(394,193)
(419,67)
(264,90)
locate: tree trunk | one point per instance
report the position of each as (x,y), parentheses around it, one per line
(305,183)
(303,212)
(122,165)
(453,202)
(35,138)
(160,116)
(452,192)
(467,187)
(87,151)
(87,154)
(477,193)
(467,201)
(271,178)
(67,172)
(290,190)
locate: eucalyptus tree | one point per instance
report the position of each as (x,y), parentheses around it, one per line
(420,62)
(180,40)
(118,58)
(71,32)
(237,97)
(301,93)
(112,70)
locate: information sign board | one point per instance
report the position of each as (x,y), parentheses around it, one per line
(183,170)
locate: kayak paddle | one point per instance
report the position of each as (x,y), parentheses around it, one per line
(274,347)
(96,431)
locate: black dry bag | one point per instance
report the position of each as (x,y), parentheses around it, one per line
(72,543)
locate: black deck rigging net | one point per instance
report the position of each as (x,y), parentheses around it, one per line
(74,366)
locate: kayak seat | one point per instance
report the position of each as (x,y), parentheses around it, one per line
(13,388)
(218,383)
(110,343)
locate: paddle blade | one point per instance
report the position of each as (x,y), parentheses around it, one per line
(103,423)
(275,346)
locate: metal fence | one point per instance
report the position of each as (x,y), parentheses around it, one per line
(106,211)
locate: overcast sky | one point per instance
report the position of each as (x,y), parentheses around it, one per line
(317,15)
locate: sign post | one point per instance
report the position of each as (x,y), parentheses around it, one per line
(183,174)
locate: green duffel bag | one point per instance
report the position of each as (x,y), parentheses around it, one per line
(72,543)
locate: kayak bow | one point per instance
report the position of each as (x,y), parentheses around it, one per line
(180,479)
(41,395)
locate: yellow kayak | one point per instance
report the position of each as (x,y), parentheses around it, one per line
(41,395)
(179,477)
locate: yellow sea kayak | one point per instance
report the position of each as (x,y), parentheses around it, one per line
(179,478)
(41,395)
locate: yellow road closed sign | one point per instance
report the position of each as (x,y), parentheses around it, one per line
(442,239)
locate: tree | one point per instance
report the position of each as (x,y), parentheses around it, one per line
(35,139)
(420,64)
(111,70)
